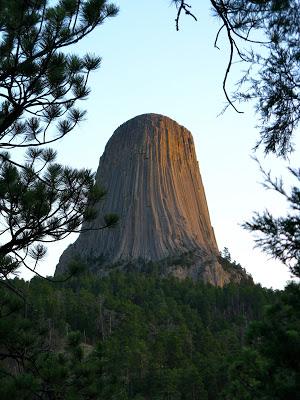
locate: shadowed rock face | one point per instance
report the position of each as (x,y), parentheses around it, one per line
(153,183)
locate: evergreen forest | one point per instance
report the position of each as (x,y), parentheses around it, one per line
(135,335)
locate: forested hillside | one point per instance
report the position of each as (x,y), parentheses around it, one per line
(127,336)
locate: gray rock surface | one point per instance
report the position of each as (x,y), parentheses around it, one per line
(150,171)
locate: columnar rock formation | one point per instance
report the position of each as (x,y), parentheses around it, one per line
(153,183)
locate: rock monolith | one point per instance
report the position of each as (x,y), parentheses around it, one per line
(150,171)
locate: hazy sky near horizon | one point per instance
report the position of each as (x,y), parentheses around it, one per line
(149,67)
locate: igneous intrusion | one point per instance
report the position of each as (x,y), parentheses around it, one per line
(150,171)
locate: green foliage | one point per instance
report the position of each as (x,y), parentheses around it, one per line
(31,367)
(280,237)
(41,83)
(264,36)
(138,335)
(39,207)
(269,367)
(225,254)
(40,200)
(272,79)
(231,265)
(36,76)
(111,219)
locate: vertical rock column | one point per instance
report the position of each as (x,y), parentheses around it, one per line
(151,174)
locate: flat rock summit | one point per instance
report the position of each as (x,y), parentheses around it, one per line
(150,171)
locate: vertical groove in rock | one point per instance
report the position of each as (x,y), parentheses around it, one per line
(153,183)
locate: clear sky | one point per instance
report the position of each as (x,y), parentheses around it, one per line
(149,67)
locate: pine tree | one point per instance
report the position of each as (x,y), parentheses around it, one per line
(263,36)
(279,237)
(269,366)
(41,83)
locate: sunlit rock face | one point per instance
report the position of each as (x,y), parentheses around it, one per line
(150,171)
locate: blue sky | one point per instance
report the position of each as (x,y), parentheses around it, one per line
(149,67)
